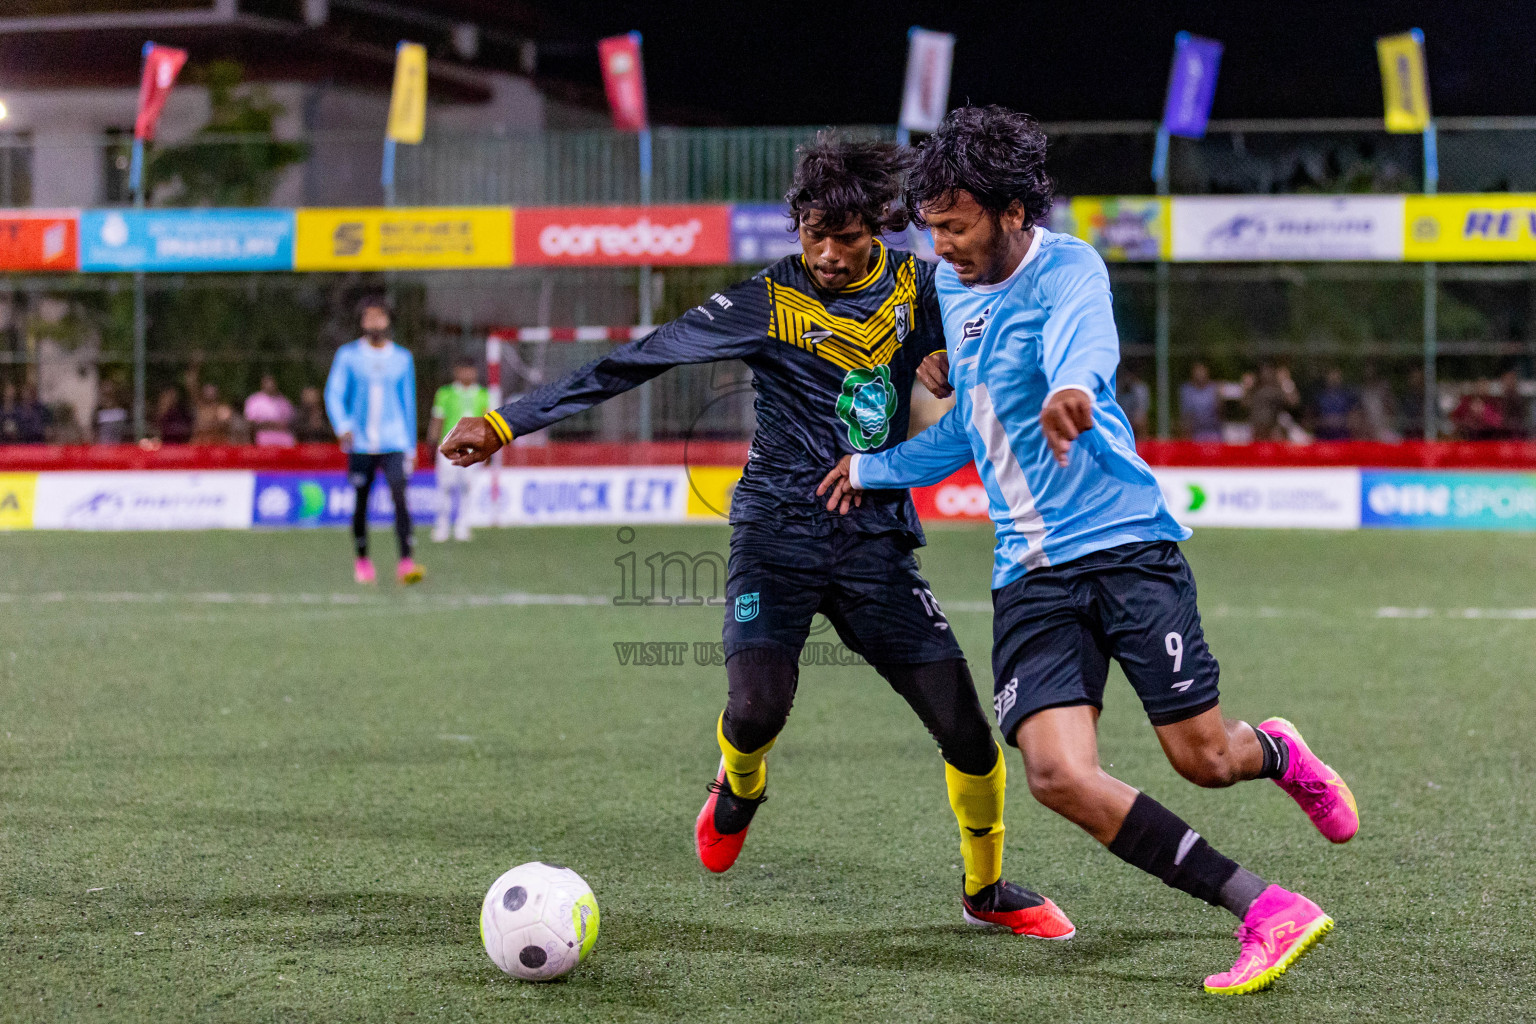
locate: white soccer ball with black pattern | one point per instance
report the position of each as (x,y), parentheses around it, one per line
(538,921)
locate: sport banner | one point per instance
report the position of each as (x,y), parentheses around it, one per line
(1471,226)
(1420,500)
(403,238)
(1254,228)
(186,240)
(622,235)
(17,491)
(1122,228)
(327,499)
(143,501)
(39,240)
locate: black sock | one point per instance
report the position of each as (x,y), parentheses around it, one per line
(1277,754)
(1159,842)
(360,519)
(1241,890)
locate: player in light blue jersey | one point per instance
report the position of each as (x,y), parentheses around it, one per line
(370,397)
(1087,564)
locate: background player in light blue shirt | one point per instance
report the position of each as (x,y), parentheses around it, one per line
(370,397)
(1087,564)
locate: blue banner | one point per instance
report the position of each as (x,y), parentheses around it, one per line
(1191,85)
(760,234)
(1427,500)
(327,499)
(186,240)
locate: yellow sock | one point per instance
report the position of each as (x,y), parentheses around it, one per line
(746,773)
(977,801)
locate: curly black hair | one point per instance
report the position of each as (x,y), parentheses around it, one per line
(845,179)
(995,154)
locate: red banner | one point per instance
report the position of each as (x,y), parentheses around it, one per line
(161,65)
(624,80)
(39,240)
(621,235)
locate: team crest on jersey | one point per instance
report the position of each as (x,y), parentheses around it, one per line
(747,606)
(866,405)
(972,328)
(903,320)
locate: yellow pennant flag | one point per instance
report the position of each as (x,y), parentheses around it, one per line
(408,100)
(1403,81)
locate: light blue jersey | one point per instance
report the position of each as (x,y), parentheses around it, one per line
(1050,326)
(371,393)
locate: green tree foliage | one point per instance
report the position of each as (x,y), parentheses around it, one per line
(233,160)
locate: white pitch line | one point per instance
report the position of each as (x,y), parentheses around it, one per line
(519,598)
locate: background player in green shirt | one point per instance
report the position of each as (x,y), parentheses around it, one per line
(464,397)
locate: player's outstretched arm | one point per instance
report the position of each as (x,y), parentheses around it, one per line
(472,440)
(926,459)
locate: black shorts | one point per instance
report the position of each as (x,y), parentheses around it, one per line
(1055,629)
(361,466)
(867,585)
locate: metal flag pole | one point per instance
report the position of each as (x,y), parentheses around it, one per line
(1431,296)
(647,312)
(1164,384)
(140,317)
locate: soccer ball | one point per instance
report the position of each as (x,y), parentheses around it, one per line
(538,921)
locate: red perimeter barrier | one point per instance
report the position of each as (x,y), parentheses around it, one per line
(1511,455)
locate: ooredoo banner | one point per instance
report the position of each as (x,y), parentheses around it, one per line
(1287,228)
(143,501)
(622,235)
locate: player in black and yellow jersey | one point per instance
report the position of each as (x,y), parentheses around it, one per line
(835,338)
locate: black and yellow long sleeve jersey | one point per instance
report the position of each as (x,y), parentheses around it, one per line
(833,374)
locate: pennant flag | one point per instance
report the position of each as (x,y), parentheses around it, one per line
(161,66)
(408,98)
(624,81)
(1191,85)
(925,97)
(1404,84)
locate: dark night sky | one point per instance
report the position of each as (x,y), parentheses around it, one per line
(810,63)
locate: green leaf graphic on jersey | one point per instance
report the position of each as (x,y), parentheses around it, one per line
(867,404)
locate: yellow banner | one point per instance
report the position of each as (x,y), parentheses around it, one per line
(16,493)
(403,238)
(408,99)
(1403,82)
(710,489)
(1122,228)
(1469,226)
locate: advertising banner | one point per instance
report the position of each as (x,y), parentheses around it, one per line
(925,92)
(760,233)
(1327,499)
(186,240)
(403,238)
(1122,228)
(1471,226)
(624,80)
(1191,85)
(1427,500)
(1287,228)
(621,235)
(710,489)
(580,494)
(16,496)
(143,501)
(327,499)
(39,240)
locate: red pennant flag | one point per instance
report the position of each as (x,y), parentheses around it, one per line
(624,80)
(161,65)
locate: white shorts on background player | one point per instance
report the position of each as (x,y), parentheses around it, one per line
(451,478)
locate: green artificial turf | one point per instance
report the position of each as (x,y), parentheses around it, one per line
(231,789)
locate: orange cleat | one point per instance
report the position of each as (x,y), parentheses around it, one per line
(1005,905)
(721,827)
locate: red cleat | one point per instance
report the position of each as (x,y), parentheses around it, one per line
(721,827)
(1005,905)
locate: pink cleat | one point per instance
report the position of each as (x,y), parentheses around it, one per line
(1279,929)
(363,571)
(1319,789)
(408,572)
